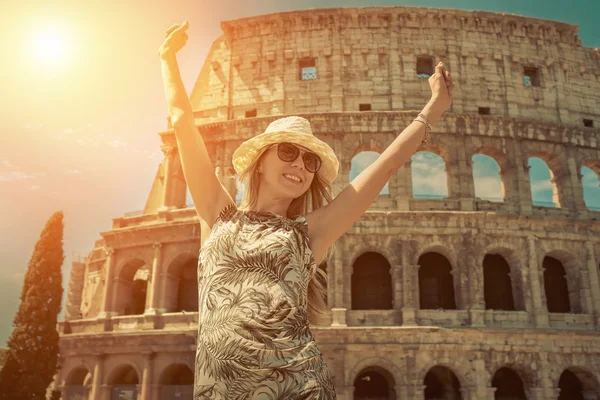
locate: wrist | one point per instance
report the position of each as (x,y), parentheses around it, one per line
(433,110)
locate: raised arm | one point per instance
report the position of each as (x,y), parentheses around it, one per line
(328,223)
(208,194)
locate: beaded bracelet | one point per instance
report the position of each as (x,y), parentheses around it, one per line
(427,128)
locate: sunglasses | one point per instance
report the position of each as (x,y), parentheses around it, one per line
(288,152)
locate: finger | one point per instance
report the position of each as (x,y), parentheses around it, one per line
(439,68)
(171,29)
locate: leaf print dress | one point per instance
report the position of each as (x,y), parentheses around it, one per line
(254,340)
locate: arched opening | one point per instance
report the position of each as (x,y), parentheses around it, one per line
(555,285)
(441,384)
(187,293)
(486,178)
(131,288)
(76,384)
(591,188)
(497,285)
(361,161)
(544,190)
(436,286)
(429,177)
(123,382)
(570,386)
(181,284)
(371,283)
(508,384)
(177,382)
(374,383)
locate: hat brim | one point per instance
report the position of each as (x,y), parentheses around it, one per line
(246,153)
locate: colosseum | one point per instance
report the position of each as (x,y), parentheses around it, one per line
(456,295)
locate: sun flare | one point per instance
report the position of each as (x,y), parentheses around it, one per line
(50,47)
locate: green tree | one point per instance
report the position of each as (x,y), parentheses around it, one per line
(32,356)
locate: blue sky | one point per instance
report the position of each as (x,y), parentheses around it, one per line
(82,135)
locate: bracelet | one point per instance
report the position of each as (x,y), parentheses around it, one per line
(427,128)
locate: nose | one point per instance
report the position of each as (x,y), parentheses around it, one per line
(298,162)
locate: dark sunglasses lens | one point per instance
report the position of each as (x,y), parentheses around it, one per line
(287,151)
(312,162)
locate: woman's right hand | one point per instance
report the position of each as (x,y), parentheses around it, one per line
(175,39)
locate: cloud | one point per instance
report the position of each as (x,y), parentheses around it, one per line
(117,144)
(73,172)
(12,176)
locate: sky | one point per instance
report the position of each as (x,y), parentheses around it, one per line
(82,103)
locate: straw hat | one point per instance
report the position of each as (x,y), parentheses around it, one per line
(292,129)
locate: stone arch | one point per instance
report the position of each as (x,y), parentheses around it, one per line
(589,382)
(373,246)
(176,380)
(441,383)
(511,256)
(79,375)
(422,163)
(131,287)
(371,282)
(438,280)
(500,160)
(528,376)
(557,173)
(572,271)
(127,371)
(181,283)
(374,383)
(381,362)
(465,376)
(588,194)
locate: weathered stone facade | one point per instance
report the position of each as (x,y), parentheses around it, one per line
(451,298)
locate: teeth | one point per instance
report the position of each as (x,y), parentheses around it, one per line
(292,177)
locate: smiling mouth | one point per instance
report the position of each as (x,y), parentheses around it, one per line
(291,178)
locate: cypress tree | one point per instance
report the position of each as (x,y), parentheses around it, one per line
(32,355)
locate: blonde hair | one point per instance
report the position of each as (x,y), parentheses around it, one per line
(315,197)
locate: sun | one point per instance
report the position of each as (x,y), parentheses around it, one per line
(50,46)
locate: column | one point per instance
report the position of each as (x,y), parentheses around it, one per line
(338,311)
(536,393)
(523,195)
(397,286)
(592,268)
(465,178)
(168,151)
(147,376)
(410,283)
(540,310)
(97,378)
(152,307)
(577,205)
(476,302)
(106,312)
(401,392)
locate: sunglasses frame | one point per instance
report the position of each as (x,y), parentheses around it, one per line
(320,162)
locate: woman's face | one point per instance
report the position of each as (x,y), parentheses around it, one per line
(287,179)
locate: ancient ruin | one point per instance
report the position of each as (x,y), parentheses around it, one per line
(455,297)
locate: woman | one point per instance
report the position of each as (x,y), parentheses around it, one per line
(259,285)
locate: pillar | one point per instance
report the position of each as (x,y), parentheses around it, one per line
(592,268)
(147,376)
(540,310)
(338,310)
(152,305)
(106,310)
(410,274)
(169,152)
(523,195)
(97,378)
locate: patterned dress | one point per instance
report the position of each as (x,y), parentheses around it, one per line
(254,340)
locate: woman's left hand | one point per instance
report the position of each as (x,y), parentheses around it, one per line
(441,84)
